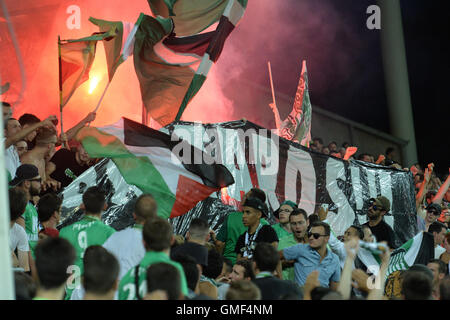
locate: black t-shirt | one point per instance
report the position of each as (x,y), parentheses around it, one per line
(383,232)
(67,167)
(265,234)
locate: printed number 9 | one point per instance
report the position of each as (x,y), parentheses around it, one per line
(82,242)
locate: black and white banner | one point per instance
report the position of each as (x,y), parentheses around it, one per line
(284,170)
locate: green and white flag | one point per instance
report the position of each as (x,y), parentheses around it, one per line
(121,45)
(418,250)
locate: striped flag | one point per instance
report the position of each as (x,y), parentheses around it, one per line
(172,63)
(75,61)
(120,45)
(151,161)
(418,250)
(297,126)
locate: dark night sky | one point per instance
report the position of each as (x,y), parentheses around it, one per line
(345,64)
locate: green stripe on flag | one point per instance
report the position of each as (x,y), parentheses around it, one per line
(99,144)
(195,86)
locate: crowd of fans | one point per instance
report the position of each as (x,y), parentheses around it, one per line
(297,258)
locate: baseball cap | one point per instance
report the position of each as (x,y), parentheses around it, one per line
(257,204)
(290,203)
(23,173)
(382,202)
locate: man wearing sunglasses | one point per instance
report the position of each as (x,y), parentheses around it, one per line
(433,212)
(380,229)
(28,180)
(315,256)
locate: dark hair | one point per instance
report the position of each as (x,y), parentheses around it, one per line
(436,227)
(144,207)
(53,257)
(444,288)
(215,264)
(229,264)
(248,268)
(266,257)
(417,285)
(189,267)
(25,287)
(43,136)
(359,230)
(298,212)
(313,218)
(258,193)
(17,203)
(47,205)
(333,142)
(318,139)
(157,234)
(5,104)
(198,228)
(101,270)
(164,276)
(443,268)
(389,150)
(94,200)
(28,118)
(322,224)
(362,155)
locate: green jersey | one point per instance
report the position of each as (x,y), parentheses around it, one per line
(289,241)
(230,231)
(31,226)
(87,232)
(127,286)
(281,232)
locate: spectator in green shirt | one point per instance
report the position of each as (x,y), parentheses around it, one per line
(283,227)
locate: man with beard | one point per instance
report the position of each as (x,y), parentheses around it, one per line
(28,180)
(381,230)
(66,165)
(298,221)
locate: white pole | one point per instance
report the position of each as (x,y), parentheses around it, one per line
(6,273)
(271,82)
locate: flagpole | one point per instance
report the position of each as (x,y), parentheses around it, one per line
(101,98)
(271,83)
(64,143)
(7,290)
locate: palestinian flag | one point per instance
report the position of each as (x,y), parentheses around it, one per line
(418,250)
(190,17)
(121,43)
(171,68)
(173,171)
(75,61)
(297,126)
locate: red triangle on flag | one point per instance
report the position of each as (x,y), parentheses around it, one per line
(68,69)
(189,193)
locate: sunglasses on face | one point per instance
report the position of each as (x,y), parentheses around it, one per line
(434,212)
(315,235)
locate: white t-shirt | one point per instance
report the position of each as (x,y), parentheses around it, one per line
(438,251)
(12,161)
(18,238)
(126,245)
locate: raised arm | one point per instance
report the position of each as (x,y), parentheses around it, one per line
(345,283)
(26,131)
(423,188)
(73,131)
(442,191)
(377,292)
